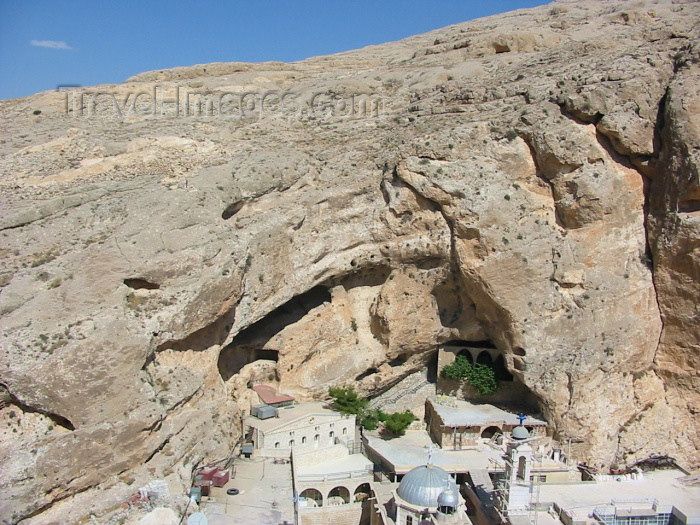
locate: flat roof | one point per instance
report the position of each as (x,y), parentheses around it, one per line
(287,415)
(662,485)
(465,414)
(270,396)
(265,496)
(350,463)
(411,450)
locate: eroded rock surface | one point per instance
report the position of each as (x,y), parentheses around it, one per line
(531,180)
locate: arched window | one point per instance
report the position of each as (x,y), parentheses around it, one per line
(303,440)
(522,462)
(331,434)
(277,444)
(338,496)
(467,354)
(291,443)
(484,358)
(311,498)
(317,437)
(345,430)
(362,492)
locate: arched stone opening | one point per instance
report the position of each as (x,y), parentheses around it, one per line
(467,354)
(484,358)
(338,496)
(311,498)
(489,432)
(362,492)
(522,467)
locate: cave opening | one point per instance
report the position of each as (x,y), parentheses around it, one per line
(511,393)
(232,209)
(399,360)
(249,345)
(366,373)
(137,283)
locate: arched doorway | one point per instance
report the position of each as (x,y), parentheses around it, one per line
(489,432)
(362,492)
(467,354)
(311,498)
(338,496)
(484,358)
(522,463)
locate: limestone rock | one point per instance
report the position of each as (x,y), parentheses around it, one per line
(528,181)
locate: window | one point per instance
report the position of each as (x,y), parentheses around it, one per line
(409,520)
(291,443)
(303,440)
(316,437)
(277,444)
(291,433)
(316,429)
(331,434)
(345,431)
(332,425)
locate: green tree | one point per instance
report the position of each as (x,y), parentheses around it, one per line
(396,423)
(347,401)
(481,377)
(371,419)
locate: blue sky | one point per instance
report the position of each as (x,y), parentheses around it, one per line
(48,42)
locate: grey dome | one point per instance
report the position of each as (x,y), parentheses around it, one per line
(448,498)
(520,432)
(423,485)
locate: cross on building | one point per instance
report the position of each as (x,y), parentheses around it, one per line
(521,417)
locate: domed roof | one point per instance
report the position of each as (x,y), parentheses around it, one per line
(520,432)
(423,485)
(448,498)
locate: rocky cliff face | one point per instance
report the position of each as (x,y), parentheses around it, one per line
(530,180)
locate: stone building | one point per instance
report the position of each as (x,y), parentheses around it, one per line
(307,426)
(332,485)
(511,391)
(455,424)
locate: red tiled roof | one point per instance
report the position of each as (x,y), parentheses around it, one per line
(269,395)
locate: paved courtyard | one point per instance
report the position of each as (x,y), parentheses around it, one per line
(265,496)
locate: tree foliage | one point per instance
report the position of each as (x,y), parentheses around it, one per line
(481,377)
(347,401)
(371,419)
(396,423)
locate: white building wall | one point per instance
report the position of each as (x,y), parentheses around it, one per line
(309,435)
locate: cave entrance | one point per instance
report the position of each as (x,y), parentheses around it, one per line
(511,392)
(251,343)
(489,432)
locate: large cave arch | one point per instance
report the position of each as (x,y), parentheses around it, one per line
(249,345)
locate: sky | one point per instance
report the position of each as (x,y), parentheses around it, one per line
(44,43)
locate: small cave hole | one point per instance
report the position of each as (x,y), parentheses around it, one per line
(519,351)
(398,360)
(366,373)
(232,209)
(138,283)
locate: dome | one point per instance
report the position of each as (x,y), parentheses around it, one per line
(423,485)
(520,432)
(448,498)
